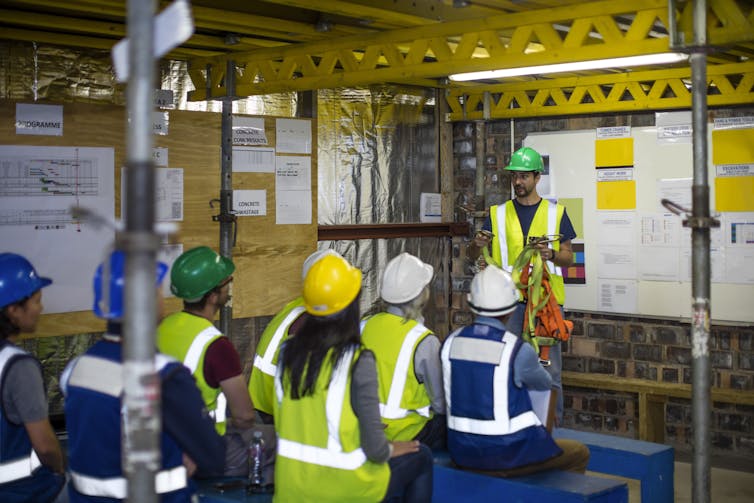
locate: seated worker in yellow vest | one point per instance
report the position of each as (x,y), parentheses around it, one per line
(202,278)
(488,372)
(412,400)
(282,326)
(331,442)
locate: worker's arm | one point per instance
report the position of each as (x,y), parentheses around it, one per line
(428,370)
(528,372)
(222,369)
(239,401)
(185,419)
(46,444)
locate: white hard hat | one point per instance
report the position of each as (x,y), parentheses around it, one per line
(314,258)
(493,292)
(404,278)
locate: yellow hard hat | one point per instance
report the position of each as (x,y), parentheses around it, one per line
(330,286)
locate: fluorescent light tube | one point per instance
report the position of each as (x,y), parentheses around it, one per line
(576,66)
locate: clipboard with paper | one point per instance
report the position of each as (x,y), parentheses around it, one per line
(543,403)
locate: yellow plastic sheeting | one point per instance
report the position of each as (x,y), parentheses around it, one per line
(734,193)
(733,146)
(614,152)
(619,195)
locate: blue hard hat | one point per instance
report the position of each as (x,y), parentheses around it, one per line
(18,279)
(112,308)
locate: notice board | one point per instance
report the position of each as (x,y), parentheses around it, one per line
(633,256)
(268,255)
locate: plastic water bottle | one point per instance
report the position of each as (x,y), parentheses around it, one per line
(256,460)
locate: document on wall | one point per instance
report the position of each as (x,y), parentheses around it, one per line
(430,204)
(168,194)
(254,159)
(41,192)
(717,257)
(677,190)
(293,190)
(658,263)
(616,296)
(248,131)
(616,262)
(616,227)
(250,203)
(293,136)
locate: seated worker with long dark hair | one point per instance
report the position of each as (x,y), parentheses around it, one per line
(31,461)
(331,442)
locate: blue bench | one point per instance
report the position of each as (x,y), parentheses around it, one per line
(652,464)
(452,485)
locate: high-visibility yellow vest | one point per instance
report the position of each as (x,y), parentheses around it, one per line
(319,456)
(508,239)
(404,401)
(262,380)
(186,337)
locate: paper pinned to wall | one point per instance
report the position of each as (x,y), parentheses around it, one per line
(614,152)
(617,296)
(39,189)
(430,204)
(619,195)
(293,136)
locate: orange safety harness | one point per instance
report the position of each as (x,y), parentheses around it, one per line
(544,325)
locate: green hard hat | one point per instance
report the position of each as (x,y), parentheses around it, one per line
(198,271)
(526,159)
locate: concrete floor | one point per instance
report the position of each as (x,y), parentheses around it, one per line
(727,486)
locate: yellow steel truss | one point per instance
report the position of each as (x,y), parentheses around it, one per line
(418,54)
(729,84)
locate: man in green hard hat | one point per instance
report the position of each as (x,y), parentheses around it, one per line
(202,278)
(509,227)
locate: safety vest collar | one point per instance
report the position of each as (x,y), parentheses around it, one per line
(117,487)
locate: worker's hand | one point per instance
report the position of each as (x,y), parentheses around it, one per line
(189,464)
(401,448)
(545,251)
(482,239)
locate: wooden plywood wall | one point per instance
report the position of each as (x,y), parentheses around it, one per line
(268,257)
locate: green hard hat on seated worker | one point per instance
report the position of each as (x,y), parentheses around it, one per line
(526,159)
(198,271)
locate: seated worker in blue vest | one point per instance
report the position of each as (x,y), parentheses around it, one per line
(509,227)
(282,326)
(488,372)
(31,461)
(331,442)
(93,387)
(203,278)
(412,400)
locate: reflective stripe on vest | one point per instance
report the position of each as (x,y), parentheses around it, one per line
(502,239)
(332,456)
(392,409)
(117,487)
(479,350)
(101,375)
(264,362)
(20,468)
(191,360)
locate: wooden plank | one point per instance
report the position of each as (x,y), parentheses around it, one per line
(633,385)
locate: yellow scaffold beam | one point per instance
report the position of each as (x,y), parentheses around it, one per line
(730,84)
(593,30)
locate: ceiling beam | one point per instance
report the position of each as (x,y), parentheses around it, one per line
(731,84)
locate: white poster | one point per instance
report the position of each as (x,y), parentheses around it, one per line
(616,296)
(293,136)
(160,123)
(254,159)
(250,203)
(293,207)
(248,131)
(160,156)
(36,119)
(40,189)
(430,204)
(293,190)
